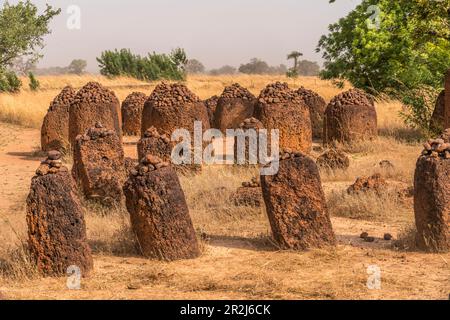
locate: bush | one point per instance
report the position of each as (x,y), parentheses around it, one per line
(150,68)
(34,83)
(9,82)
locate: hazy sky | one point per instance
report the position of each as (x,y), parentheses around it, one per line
(215,32)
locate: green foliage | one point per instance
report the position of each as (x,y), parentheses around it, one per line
(22,30)
(410,48)
(77,66)
(9,82)
(34,83)
(152,67)
(405,56)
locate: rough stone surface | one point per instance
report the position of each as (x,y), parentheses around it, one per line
(132,108)
(211,105)
(159,212)
(437,119)
(281,108)
(374,183)
(94,103)
(432,196)
(55,127)
(99,165)
(173,106)
(56,226)
(155,144)
(296,204)
(234,106)
(249,194)
(317,106)
(246,125)
(350,116)
(333,159)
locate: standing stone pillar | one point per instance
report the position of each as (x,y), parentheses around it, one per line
(447,101)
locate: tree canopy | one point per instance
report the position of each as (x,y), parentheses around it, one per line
(409,47)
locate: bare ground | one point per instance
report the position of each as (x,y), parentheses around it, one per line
(239,260)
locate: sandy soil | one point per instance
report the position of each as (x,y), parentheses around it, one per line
(231,267)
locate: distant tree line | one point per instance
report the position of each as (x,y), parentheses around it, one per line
(152,67)
(255,66)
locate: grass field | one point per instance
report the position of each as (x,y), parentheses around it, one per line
(239,259)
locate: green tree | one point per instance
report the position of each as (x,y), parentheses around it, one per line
(22,31)
(294,55)
(77,66)
(255,66)
(409,48)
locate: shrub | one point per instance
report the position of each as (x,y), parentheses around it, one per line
(34,83)
(9,82)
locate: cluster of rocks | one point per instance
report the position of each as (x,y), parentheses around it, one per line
(147,164)
(432,195)
(278,92)
(374,183)
(171,107)
(350,116)
(287,153)
(438,147)
(249,194)
(251,123)
(234,106)
(53,164)
(317,106)
(99,165)
(296,204)
(333,159)
(56,227)
(94,103)
(132,108)
(159,212)
(281,108)
(55,127)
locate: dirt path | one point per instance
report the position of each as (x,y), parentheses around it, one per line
(18,161)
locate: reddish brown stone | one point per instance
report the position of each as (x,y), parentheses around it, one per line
(317,106)
(98,165)
(432,195)
(159,213)
(373,183)
(94,103)
(250,194)
(333,159)
(296,205)
(55,127)
(437,119)
(173,106)
(350,116)
(56,226)
(280,108)
(234,106)
(155,144)
(248,125)
(211,105)
(132,108)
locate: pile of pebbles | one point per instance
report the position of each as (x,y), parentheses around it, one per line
(438,148)
(351,97)
(287,153)
(147,164)
(171,94)
(97,132)
(53,164)
(236,91)
(95,93)
(152,132)
(278,92)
